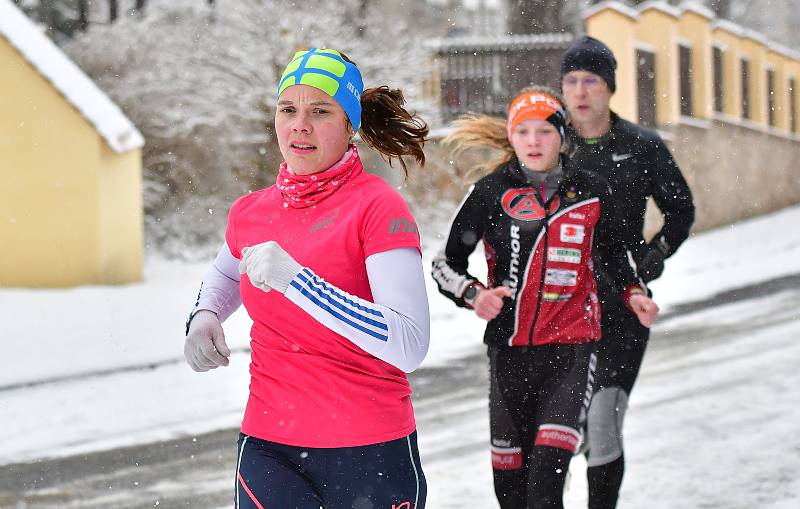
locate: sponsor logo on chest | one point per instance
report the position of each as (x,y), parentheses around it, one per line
(620,157)
(522,204)
(561,277)
(325,222)
(556,297)
(563,254)
(572,233)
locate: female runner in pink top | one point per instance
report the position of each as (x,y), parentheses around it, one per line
(327,263)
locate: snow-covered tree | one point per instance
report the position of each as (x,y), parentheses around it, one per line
(776,19)
(199,81)
(535,16)
(721,8)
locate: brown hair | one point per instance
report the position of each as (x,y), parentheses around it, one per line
(388,127)
(474,131)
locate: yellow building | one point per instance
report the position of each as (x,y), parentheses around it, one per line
(70,169)
(702,67)
(722,96)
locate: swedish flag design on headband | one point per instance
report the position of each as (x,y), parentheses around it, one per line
(326,70)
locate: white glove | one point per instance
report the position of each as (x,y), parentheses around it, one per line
(269,266)
(205,346)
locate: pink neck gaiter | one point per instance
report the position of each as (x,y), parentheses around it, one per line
(300,191)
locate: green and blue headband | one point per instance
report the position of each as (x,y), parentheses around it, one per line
(326,70)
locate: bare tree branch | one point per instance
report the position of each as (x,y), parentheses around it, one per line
(83,15)
(535,16)
(721,8)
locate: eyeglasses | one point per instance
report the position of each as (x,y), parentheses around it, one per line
(588,81)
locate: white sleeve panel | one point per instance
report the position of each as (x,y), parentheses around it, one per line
(395,328)
(448,279)
(220,289)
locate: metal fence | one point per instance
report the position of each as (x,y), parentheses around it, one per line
(481,74)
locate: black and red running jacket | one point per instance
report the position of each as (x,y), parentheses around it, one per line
(548,254)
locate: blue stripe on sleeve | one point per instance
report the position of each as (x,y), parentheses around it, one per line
(335,314)
(317,286)
(322,284)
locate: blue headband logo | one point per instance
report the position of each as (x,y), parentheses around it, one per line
(326,70)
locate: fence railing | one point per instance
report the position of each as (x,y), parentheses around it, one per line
(480,74)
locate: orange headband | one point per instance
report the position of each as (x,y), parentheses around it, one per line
(535,106)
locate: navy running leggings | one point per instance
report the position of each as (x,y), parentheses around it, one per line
(386,475)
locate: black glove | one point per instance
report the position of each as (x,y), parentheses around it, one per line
(652,264)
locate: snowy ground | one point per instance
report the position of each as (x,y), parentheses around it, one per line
(706,428)
(713,420)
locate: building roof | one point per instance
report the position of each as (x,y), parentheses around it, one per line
(501,42)
(612,5)
(660,6)
(699,9)
(106,117)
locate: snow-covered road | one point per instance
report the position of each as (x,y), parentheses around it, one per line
(712,420)
(712,424)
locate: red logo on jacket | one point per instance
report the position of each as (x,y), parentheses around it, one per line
(522,204)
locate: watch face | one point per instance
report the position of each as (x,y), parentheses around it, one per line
(470,293)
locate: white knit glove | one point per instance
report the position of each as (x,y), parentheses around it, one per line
(268,266)
(205,346)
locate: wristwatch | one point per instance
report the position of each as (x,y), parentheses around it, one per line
(189,320)
(471,293)
(661,245)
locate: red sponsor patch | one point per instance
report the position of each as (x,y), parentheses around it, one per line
(506,459)
(562,437)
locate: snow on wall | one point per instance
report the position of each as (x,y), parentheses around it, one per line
(109,121)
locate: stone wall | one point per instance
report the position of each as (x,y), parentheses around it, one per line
(735,172)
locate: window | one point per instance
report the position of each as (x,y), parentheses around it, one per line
(685,59)
(771,97)
(745,89)
(646,62)
(792,106)
(719,98)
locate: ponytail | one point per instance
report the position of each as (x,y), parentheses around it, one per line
(482,131)
(478,131)
(387,127)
